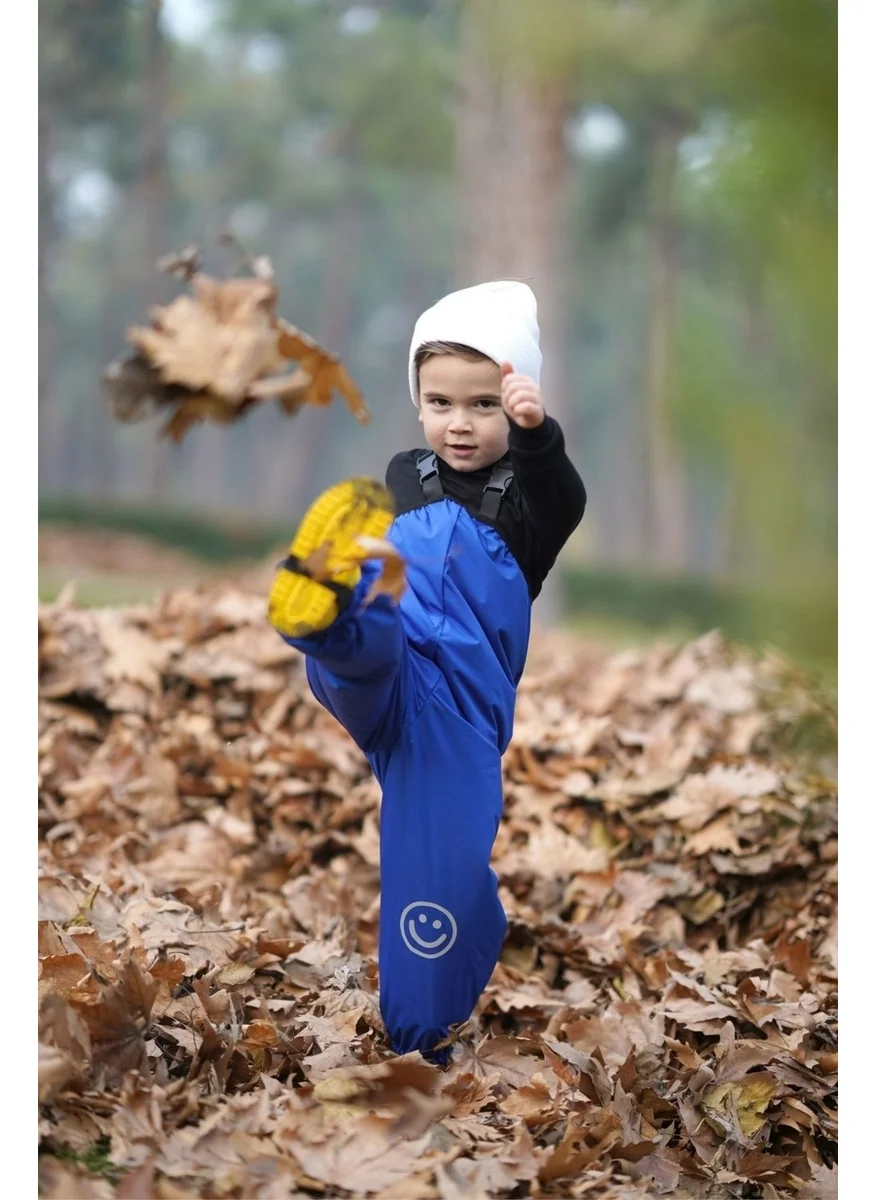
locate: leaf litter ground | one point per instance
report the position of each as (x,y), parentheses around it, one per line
(663,1018)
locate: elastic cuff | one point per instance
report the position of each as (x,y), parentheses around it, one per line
(535,441)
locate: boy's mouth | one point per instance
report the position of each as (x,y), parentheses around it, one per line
(461,449)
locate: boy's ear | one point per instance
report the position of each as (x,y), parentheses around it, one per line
(420,414)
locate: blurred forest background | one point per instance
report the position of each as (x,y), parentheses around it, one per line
(662,172)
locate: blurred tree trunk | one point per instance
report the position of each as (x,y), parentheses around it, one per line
(513,172)
(48,414)
(153,198)
(104,466)
(512,218)
(664,466)
(294,457)
(631,498)
(337,304)
(754,339)
(277,454)
(413,230)
(314,438)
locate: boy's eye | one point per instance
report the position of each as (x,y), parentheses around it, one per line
(486,403)
(439,401)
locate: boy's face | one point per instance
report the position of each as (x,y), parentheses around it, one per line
(461,411)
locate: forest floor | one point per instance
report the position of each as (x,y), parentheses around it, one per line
(663,1020)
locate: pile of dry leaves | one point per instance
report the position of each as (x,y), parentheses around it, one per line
(663,1020)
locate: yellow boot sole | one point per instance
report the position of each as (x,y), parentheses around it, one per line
(298,605)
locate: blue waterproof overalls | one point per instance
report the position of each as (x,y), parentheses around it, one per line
(426,689)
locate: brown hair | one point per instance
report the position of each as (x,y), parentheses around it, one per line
(431,349)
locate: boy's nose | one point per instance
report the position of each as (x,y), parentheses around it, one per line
(460,422)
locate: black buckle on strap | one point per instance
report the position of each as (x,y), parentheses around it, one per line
(430,480)
(494,492)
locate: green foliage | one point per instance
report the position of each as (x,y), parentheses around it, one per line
(352,85)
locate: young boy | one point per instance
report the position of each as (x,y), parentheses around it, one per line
(426,688)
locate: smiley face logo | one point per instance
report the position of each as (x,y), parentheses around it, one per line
(427,929)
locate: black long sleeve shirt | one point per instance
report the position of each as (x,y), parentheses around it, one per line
(542,506)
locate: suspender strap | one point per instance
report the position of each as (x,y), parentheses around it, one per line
(430,481)
(495,491)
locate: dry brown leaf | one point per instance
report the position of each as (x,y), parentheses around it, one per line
(535,1102)
(718,835)
(216,353)
(235,973)
(363,1157)
(55,1069)
(746,1102)
(470,1094)
(390,582)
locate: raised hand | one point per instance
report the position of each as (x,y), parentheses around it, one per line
(521,398)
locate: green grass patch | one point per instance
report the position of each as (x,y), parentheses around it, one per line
(620,633)
(96,1159)
(803,626)
(101,589)
(211,540)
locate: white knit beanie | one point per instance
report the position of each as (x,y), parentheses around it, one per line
(499,319)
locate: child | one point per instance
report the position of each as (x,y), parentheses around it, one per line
(426,688)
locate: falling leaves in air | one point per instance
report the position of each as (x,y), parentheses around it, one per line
(219,349)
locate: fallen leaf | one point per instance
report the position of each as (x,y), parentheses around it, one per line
(747,1100)
(235,973)
(363,1157)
